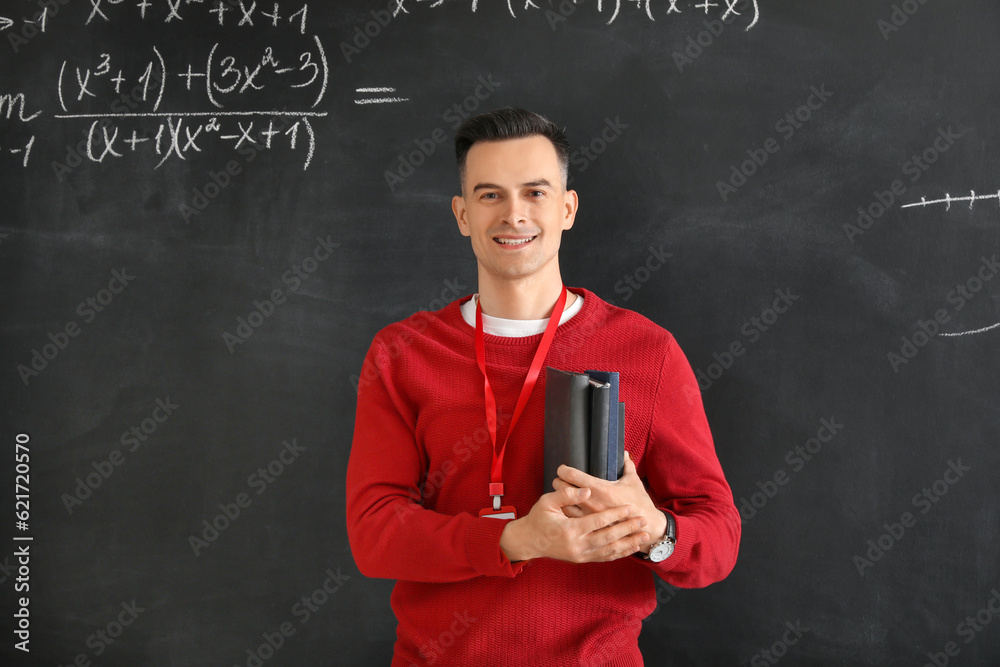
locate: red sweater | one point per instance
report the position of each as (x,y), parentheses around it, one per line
(420,466)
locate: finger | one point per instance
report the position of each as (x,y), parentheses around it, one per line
(629,468)
(632,527)
(576,477)
(559,484)
(608,517)
(618,540)
(592,506)
(620,549)
(586,508)
(574,511)
(570,495)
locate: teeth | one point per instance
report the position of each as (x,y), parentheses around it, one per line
(514,241)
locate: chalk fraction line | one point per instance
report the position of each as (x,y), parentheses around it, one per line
(948,199)
(187,114)
(382,100)
(379,100)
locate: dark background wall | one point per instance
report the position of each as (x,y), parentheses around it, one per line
(183,320)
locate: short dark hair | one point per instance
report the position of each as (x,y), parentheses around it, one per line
(510,123)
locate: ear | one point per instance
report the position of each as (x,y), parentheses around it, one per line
(458,208)
(570,204)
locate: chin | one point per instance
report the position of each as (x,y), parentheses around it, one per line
(516,270)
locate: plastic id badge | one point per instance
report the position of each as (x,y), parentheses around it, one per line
(505,512)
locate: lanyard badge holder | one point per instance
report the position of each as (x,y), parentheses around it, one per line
(499,510)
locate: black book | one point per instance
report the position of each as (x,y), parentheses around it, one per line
(621,440)
(600,420)
(584,424)
(567,422)
(611,467)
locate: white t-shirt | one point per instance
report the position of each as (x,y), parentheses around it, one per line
(498,326)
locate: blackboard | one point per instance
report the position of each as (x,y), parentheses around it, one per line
(211,207)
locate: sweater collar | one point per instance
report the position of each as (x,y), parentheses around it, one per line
(590,303)
(515,328)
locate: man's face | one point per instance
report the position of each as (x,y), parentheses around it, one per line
(514,207)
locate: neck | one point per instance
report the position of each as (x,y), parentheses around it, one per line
(530,298)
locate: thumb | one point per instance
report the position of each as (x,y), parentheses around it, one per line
(629,468)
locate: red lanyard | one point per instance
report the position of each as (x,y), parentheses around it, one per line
(496,472)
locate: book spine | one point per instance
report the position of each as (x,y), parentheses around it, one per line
(600,418)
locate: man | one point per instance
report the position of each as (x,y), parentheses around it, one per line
(569,580)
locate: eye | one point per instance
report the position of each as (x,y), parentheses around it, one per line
(490,195)
(537,193)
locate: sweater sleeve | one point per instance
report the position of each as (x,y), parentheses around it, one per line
(685,478)
(391,534)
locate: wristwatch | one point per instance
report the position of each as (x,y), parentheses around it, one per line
(661,550)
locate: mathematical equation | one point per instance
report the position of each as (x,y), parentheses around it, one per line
(114,96)
(229,12)
(557,10)
(237,13)
(219,76)
(246,13)
(181,135)
(224,92)
(175,103)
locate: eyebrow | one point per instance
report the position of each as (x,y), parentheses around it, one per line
(530,184)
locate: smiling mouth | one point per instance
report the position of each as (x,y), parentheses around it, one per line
(514,242)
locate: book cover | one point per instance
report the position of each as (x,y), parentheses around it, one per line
(567,423)
(600,419)
(614,463)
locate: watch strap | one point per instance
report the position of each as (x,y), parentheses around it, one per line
(670,536)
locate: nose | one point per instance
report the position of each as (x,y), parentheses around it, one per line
(515,212)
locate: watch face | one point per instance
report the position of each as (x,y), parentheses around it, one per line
(661,552)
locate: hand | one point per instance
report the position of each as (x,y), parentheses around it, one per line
(629,490)
(546,531)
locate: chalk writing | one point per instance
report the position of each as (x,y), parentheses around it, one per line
(974,331)
(379,100)
(239,13)
(39,20)
(7,104)
(22,150)
(175,104)
(222,77)
(726,9)
(29,27)
(12,108)
(948,199)
(179,135)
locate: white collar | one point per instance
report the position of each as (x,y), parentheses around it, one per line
(498,326)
